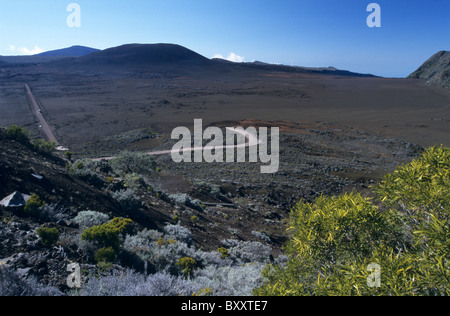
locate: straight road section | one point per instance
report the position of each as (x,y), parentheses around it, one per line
(41,120)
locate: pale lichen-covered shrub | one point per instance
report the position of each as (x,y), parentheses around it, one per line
(133,162)
(172,253)
(89,171)
(87,219)
(179,232)
(247,251)
(12,284)
(127,200)
(237,280)
(53,213)
(130,283)
(261,235)
(207,188)
(185,199)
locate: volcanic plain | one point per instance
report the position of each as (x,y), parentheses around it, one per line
(340,131)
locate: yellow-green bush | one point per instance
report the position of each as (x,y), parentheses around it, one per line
(44,146)
(48,236)
(107,235)
(19,134)
(336,228)
(223,252)
(105,255)
(421,186)
(186,265)
(406,235)
(33,204)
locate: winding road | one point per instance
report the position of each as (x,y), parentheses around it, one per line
(251,140)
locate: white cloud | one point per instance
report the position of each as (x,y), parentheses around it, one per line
(231,57)
(25,50)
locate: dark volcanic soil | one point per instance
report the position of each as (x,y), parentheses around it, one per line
(315,159)
(85,106)
(338,134)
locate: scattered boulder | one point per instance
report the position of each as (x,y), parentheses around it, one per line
(15,200)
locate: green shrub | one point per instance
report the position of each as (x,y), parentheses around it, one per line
(335,241)
(186,265)
(105,255)
(48,236)
(133,181)
(44,146)
(340,228)
(107,235)
(120,225)
(103,236)
(194,219)
(33,204)
(68,155)
(19,134)
(224,252)
(421,187)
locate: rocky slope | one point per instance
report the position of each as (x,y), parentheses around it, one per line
(215,202)
(436,70)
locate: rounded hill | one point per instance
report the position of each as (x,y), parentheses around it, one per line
(142,57)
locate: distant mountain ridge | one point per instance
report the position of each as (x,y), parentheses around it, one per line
(73,51)
(436,70)
(159,58)
(49,56)
(300,69)
(173,58)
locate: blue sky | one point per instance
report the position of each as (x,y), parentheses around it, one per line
(295,32)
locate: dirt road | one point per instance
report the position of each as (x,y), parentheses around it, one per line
(40,118)
(251,140)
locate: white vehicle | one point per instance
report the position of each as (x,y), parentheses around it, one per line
(62,148)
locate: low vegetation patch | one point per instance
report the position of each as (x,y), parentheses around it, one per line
(48,236)
(337,241)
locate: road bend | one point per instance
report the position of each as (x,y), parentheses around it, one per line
(40,118)
(250,141)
